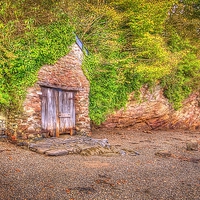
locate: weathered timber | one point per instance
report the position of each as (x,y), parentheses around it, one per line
(60,87)
(58,111)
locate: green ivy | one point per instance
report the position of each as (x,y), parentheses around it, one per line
(179,84)
(26,54)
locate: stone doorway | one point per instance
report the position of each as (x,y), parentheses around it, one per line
(58,111)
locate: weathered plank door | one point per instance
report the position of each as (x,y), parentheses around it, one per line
(58,111)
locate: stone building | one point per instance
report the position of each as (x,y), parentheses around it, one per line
(57,103)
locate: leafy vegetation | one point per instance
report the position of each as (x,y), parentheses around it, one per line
(27,43)
(133,43)
(130,43)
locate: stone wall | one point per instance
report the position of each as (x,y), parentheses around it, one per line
(2,124)
(155,112)
(65,74)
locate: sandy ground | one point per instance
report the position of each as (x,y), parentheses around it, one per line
(160,169)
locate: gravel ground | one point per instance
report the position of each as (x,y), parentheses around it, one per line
(173,174)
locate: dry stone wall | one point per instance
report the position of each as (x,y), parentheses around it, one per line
(155,112)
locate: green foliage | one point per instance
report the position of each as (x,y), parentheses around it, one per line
(127,51)
(131,44)
(25,50)
(106,90)
(180,83)
(184,20)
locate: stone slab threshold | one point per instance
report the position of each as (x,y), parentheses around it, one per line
(81,145)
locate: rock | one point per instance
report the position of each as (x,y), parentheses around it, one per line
(39,148)
(74,150)
(13,139)
(163,153)
(42,150)
(87,150)
(192,145)
(22,143)
(24,137)
(103,143)
(31,130)
(56,152)
(129,152)
(122,152)
(74,145)
(155,112)
(45,134)
(31,136)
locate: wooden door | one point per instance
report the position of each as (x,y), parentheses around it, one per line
(58,111)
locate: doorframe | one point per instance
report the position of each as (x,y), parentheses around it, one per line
(66,89)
